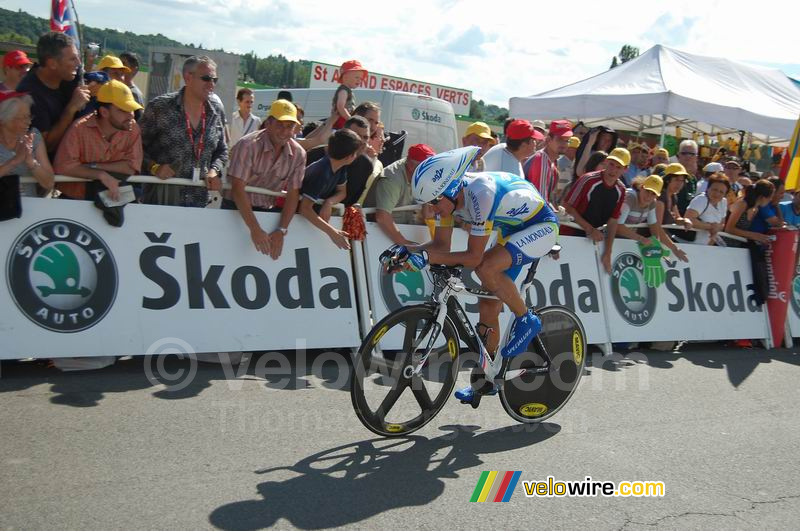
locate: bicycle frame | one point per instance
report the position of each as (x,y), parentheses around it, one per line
(448,306)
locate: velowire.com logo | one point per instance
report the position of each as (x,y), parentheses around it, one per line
(633,298)
(62,275)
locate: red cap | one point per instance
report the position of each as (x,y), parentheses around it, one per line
(420,152)
(8,94)
(522,129)
(16,58)
(561,128)
(352,65)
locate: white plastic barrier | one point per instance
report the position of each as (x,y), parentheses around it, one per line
(793,315)
(76,286)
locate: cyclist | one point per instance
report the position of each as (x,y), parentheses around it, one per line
(487,201)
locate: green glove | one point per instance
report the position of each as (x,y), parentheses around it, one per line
(652,253)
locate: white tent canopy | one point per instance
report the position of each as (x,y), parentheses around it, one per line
(706,94)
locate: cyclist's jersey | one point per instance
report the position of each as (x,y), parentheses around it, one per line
(500,201)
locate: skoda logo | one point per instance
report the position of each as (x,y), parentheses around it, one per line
(415,114)
(405,288)
(635,301)
(796,295)
(61,275)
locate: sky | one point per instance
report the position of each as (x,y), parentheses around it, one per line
(497,49)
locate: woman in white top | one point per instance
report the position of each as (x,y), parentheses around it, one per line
(243,122)
(22,149)
(707,211)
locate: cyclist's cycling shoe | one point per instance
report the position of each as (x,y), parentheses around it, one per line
(523,330)
(468,395)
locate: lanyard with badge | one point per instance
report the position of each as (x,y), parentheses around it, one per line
(197,150)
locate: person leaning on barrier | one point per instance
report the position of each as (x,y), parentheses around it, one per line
(393,189)
(22,153)
(675,176)
(105,146)
(269,158)
(775,203)
(325,181)
(707,210)
(55,87)
(640,207)
(183,136)
(596,199)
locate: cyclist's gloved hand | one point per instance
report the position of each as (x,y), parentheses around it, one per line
(397,257)
(652,253)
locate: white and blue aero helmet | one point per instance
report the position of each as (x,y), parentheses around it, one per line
(442,174)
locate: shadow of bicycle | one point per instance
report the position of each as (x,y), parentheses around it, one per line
(351,483)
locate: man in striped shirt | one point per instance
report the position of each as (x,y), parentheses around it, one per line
(541,169)
(596,199)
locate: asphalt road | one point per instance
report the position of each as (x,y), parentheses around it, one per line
(113,449)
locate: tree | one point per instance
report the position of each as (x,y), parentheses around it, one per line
(475,109)
(626,53)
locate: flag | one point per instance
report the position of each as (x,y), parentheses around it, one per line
(63,20)
(790,168)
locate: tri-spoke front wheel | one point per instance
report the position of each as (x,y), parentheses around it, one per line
(388,396)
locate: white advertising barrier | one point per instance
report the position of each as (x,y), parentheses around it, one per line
(793,315)
(325,75)
(571,281)
(708,298)
(76,286)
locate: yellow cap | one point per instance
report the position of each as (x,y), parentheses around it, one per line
(663,152)
(109,61)
(620,155)
(283,111)
(119,95)
(480,129)
(676,168)
(654,183)
(574,142)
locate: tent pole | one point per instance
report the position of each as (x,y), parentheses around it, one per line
(663,129)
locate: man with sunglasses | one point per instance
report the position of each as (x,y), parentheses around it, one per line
(183,135)
(487,202)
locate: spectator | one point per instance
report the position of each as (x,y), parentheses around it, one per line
(596,199)
(733,170)
(114,67)
(637,167)
(791,210)
(269,159)
(478,134)
(640,207)
(541,170)
(580,130)
(324,184)
(566,163)
(675,176)
(393,190)
(688,153)
(93,80)
(744,222)
(359,170)
(301,114)
(15,65)
(351,74)
(22,151)
(131,62)
(105,146)
(183,136)
(542,129)
(600,138)
(53,83)
(370,111)
(285,95)
(596,162)
(708,210)
(243,122)
(660,156)
(357,124)
(775,203)
(373,152)
(520,144)
(708,170)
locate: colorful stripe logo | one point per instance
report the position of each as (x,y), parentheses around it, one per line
(496,486)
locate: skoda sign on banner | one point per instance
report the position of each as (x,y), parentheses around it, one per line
(76,286)
(698,300)
(634,300)
(62,275)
